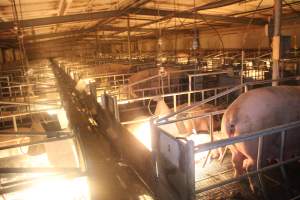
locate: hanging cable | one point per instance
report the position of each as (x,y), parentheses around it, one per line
(215,30)
(20,39)
(244,39)
(195,44)
(249,24)
(159,42)
(175,25)
(208,24)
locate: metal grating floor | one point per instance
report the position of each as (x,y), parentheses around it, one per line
(215,172)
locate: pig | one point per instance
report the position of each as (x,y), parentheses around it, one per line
(82,86)
(161,110)
(141,128)
(257,110)
(197,124)
(187,127)
(110,68)
(190,128)
(135,82)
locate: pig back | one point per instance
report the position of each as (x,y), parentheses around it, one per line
(199,124)
(262,108)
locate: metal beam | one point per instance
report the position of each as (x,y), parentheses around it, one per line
(66,41)
(216,4)
(53,35)
(85,31)
(123,10)
(111,14)
(190,15)
(60,19)
(62,9)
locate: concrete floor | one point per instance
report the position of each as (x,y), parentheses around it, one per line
(108,178)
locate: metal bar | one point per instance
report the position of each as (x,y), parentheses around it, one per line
(174,103)
(59,19)
(191,15)
(136,121)
(190,89)
(169,82)
(281,157)
(13,170)
(169,95)
(193,117)
(27,113)
(208,74)
(211,138)
(248,136)
(128,39)
(165,119)
(15,124)
(27,184)
(246,88)
(190,170)
(27,104)
(34,133)
(246,175)
(258,166)
(37,142)
(141,81)
(242,67)
(282,145)
(215,93)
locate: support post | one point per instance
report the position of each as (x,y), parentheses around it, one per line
(190,170)
(174,103)
(258,166)
(128,39)
(15,124)
(276,40)
(190,89)
(97,46)
(242,67)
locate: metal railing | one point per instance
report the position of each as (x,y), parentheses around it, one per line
(207,147)
(18,178)
(251,136)
(175,95)
(244,86)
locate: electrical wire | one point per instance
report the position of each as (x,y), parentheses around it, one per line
(215,30)
(245,35)
(250,22)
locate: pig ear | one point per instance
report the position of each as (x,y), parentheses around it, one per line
(158,99)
